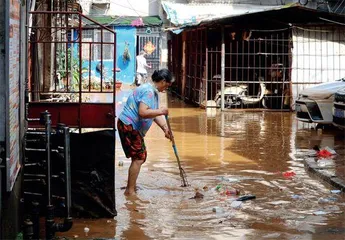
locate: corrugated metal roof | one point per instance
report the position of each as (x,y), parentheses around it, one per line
(181,14)
(135,21)
(285,15)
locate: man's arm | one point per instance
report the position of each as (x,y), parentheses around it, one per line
(162,123)
(146,112)
(146,65)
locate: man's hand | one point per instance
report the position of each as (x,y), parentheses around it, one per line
(168,134)
(164,111)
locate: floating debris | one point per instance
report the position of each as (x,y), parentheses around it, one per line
(217,209)
(317,213)
(86,231)
(198,195)
(327,200)
(236,204)
(289,174)
(278,202)
(296,196)
(246,197)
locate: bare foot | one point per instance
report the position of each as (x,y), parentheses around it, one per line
(129,192)
(136,188)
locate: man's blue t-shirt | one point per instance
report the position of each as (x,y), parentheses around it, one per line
(147,94)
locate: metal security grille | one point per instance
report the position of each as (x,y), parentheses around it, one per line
(175,64)
(318,55)
(195,67)
(264,62)
(151,44)
(257,69)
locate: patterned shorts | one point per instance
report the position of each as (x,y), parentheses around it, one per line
(132,142)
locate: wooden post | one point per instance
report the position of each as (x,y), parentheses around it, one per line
(184,36)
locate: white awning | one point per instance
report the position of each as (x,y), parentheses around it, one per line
(181,14)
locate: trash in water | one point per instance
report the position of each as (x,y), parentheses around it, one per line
(236,204)
(325,162)
(205,188)
(279,202)
(326,152)
(232,192)
(197,195)
(327,200)
(288,174)
(218,187)
(246,197)
(336,191)
(296,196)
(319,213)
(330,150)
(86,230)
(217,210)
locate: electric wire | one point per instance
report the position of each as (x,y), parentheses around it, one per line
(133,8)
(339,5)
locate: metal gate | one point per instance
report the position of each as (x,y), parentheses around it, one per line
(151,44)
(67,73)
(72,75)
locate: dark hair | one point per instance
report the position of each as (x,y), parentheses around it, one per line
(162,74)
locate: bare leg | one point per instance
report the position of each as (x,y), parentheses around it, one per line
(133,173)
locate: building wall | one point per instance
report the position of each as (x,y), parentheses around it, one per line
(126,35)
(12,79)
(318,56)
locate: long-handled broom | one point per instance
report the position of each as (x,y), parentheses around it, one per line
(182,172)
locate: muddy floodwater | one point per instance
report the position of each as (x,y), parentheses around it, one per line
(257,153)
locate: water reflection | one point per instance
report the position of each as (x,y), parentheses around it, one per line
(136,222)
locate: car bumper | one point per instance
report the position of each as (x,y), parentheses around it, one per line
(338,113)
(314,111)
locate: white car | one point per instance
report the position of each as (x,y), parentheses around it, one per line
(339,109)
(314,105)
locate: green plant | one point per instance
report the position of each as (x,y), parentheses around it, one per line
(73,64)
